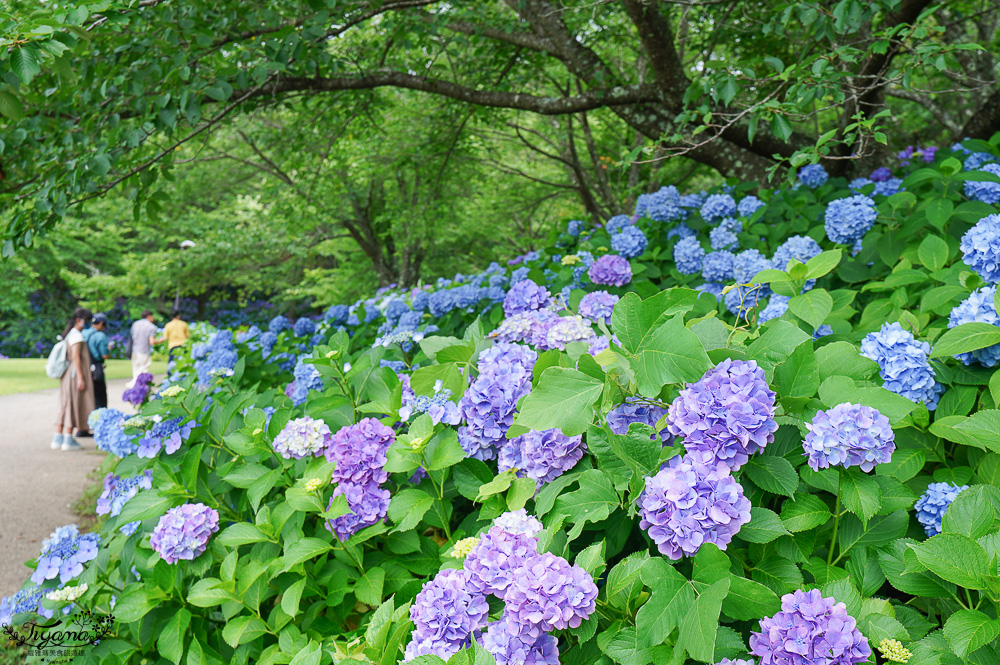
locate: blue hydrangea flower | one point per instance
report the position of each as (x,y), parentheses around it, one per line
(881,174)
(848,219)
(694,200)
(267,341)
(718,266)
(524,297)
(976,160)
(713,288)
(304,327)
(636,410)
(445,615)
(598,306)
(108,426)
(617,223)
(541,456)
(718,206)
(279,324)
(307,378)
(490,401)
(630,242)
(569,329)
(811,630)
(663,205)
(440,303)
(116,493)
(722,237)
(888,187)
(800,248)
(167,434)
(987,192)
(776,306)
(220,356)
(691,501)
(813,176)
(420,301)
(688,256)
(978,307)
(932,504)
(574,227)
(748,263)
(728,412)
(682,230)
(337,314)
(859,184)
(64,553)
(183,533)
(395,309)
(748,205)
(514,643)
(903,363)
(28,599)
(439,407)
(531,327)
(981,248)
(849,435)
(610,270)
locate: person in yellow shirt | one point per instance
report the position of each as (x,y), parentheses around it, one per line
(175,334)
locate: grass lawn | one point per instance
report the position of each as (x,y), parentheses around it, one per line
(22,375)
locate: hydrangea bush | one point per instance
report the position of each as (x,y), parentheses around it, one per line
(747,425)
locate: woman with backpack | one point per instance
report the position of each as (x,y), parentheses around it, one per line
(76,387)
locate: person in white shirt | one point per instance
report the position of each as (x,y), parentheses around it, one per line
(76,388)
(143,339)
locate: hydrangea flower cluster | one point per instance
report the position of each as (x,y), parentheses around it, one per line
(440,408)
(569,329)
(691,501)
(748,263)
(813,176)
(610,270)
(903,364)
(574,227)
(64,553)
(118,491)
(307,378)
(139,391)
(663,205)
(514,643)
(728,413)
(981,248)
(933,502)
(849,435)
(776,306)
(982,190)
(718,266)
(688,256)
(489,403)
(630,242)
(220,354)
(542,456)
(617,223)
(848,219)
(278,324)
(978,307)
(108,426)
(359,452)
(723,236)
(445,614)
(718,206)
(738,661)
(303,437)
(800,248)
(810,629)
(183,533)
(748,205)
(531,327)
(337,315)
(28,599)
(166,434)
(525,296)
(976,160)
(519,522)
(635,410)
(304,327)
(598,306)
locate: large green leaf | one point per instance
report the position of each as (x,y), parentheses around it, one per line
(562,399)
(968,630)
(593,502)
(671,354)
(634,320)
(956,558)
(966,337)
(700,624)
(812,306)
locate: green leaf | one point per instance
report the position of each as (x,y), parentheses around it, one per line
(671,598)
(170,643)
(241,533)
(939,211)
(774,474)
(968,630)
(500,483)
(640,452)
(11,106)
(208,592)
(812,306)
(368,588)
(860,493)
(144,506)
(822,263)
(521,489)
(562,399)
(749,600)
(804,512)
(133,604)
(449,374)
(763,527)
(635,321)
(291,597)
(799,375)
(843,359)
(933,252)
(673,354)
(984,427)
(966,337)
(305,549)
(973,513)
(243,629)
(593,502)
(408,507)
(310,654)
(956,558)
(776,344)
(447,451)
(698,630)
(24,64)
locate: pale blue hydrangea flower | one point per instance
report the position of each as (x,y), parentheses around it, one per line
(978,307)
(850,218)
(987,192)
(813,176)
(718,266)
(849,435)
(688,255)
(718,206)
(903,364)
(981,248)
(933,503)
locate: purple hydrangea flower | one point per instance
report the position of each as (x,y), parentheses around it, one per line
(495,560)
(550,593)
(810,629)
(569,329)
(116,493)
(688,256)
(718,206)
(369,504)
(525,296)
(303,437)
(629,242)
(445,615)
(531,327)
(848,219)
(64,553)
(738,661)
(903,363)
(137,394)
(849,435)
(541,456)
(978,307)
(800,248)
(439,407)
(518,522)
(489,403)
(693,500)
(729,412)
(184,531)
(165,434)
(514,643)
(610,270)
(359,452)
(932,504)
(813,176)
(598,306)
(981,248)
(881,174)
(636,410)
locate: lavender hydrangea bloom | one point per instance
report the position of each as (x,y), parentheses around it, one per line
(610,270)
(569,329)
(889,187)
(542,456)
(848,219)
(514,643)
(722,237)
(167,435)
(729,412)
(635,410)
(117,491)
(445,615)
(849,435)
(630,242)
(903,363)
(531,327)
(691,501)
(495,561)
(932,504)
(64,553)
(108,426)
(184,531)
(718,266)
(985,191)
(738,661)
(489,403)
(368,503)
(598,306)
(981,248)
(439,407)
(881,174)
(518,522)
(978,307)
(688,256)
(550,593)
(525,296)
(748,205)
(811,630)
(359,452)
(776,306)
(813,176)
(800,248)
(137,394)
(303,437)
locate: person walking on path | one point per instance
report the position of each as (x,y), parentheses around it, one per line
(76,389)
(97,344)
(143,339)
(176,334)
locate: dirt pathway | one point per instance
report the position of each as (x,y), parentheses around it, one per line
(38,485)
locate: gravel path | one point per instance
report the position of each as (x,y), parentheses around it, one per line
(38,485)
